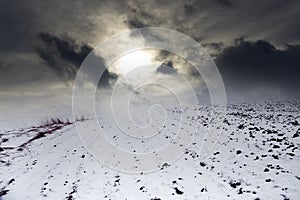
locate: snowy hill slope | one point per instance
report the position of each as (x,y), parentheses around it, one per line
(257,157)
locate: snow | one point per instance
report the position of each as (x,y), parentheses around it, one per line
(257,157)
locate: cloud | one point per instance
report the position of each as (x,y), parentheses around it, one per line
(135,23)
(64,56)
(219,21)
(213,48)
(227,3)
(86,23)
(3,65)
(17,20)
(215,24)
(166,68)
(254,64)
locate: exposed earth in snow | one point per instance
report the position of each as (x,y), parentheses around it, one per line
(257,157)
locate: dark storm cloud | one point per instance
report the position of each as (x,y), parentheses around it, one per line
(3,65)
(135,23)
(20,21)
(215,45)
(222,20)
(214,23)
(213,48)
(166,68)
(87,22)
(64,56)
(170,60)
(227,3)
(257,64)
(16,21)
(66,48)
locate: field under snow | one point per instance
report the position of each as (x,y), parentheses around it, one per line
(257,157)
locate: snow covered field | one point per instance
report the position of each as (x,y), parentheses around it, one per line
(257,157)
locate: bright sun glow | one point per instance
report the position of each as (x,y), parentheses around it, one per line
(133,60)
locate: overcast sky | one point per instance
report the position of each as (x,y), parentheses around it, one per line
(255,44)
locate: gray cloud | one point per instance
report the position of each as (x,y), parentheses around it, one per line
(17,20)
(222,20)
(64,56)
(87,22)
(166,68)
(135,23)
(250,65)
(3,65)
(214,23)
(227,3)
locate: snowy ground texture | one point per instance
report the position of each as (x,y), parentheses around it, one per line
(257,158)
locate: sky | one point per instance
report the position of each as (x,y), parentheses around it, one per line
(255,45)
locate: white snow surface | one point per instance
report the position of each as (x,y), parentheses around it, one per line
(257,157)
